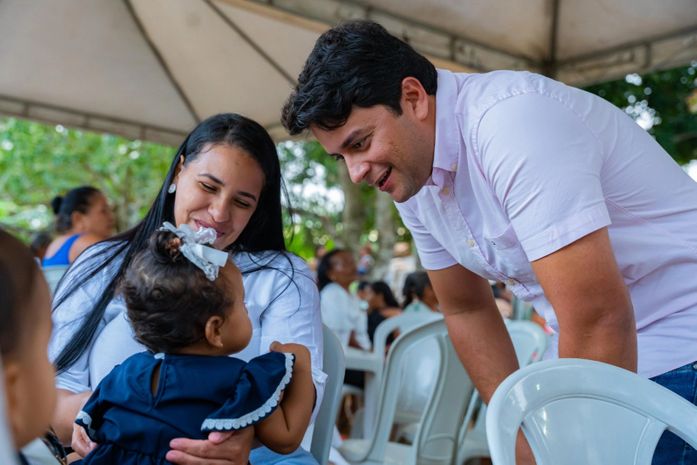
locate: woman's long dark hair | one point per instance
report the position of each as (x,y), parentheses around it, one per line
(381,288)
(415,285)
(264,231)
(75,200)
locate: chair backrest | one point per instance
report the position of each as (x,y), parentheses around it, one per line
(577,412)
(418,379)
(402,323)
(436,436)
(53,275)
(333,364)
(529,341)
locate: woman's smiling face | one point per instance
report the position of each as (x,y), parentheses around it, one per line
(220,189)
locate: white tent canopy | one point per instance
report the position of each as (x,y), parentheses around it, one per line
(151,69)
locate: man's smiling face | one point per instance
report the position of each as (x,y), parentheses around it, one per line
(392,152)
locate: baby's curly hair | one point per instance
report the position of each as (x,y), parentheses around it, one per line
(168,298)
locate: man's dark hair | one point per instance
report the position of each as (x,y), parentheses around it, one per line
(169,299)
(356,63)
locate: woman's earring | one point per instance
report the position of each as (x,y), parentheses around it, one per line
(172,188)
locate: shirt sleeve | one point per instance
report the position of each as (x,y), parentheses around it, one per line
(342,314)
(543,163)
(432,254)
(294,316)
(335,312)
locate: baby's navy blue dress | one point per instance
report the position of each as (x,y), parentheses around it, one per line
(196,394)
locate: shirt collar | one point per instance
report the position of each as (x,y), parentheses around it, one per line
(445,154)
(446,146)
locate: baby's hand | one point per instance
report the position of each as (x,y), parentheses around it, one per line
(302,355)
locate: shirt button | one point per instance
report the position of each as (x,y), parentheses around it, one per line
(511,282)
(453,167)
(471,243)
(445,191)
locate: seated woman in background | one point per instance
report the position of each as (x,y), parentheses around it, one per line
(341,310)
(382,305)
(83,217)
(418,293)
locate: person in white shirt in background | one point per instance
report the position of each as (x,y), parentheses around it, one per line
(341,310)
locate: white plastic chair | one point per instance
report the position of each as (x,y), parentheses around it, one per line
(53,275)
(333,364)
(416,386)
(530,342)
(436,437)
(582,412)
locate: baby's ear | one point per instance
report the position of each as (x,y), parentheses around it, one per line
(14,398)
(213,331)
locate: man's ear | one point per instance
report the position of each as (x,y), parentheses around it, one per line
(13,399)
(415,97)
(213,331)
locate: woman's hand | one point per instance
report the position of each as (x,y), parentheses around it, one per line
(81,442)
(68,404)
(219,449)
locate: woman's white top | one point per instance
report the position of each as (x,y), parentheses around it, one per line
(341,312)
(282,301)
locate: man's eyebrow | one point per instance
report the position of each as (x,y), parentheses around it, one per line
(350,139)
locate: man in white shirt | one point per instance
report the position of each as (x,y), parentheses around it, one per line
(514,177)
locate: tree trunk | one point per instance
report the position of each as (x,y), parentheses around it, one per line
(353,216)
(385,225)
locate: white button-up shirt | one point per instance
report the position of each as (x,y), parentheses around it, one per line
(525,165)
(342,313)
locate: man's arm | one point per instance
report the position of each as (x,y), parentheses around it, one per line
(592,304)
(475,327)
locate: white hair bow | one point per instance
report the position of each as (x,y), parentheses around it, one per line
(193,247)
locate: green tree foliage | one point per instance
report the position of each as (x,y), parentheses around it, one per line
(38,162)
(664,102)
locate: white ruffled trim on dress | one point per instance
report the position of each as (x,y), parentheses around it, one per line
(227,424)
(85,418)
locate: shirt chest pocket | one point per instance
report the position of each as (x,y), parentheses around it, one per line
(505,254)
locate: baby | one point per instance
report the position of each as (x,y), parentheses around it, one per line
(185,301)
